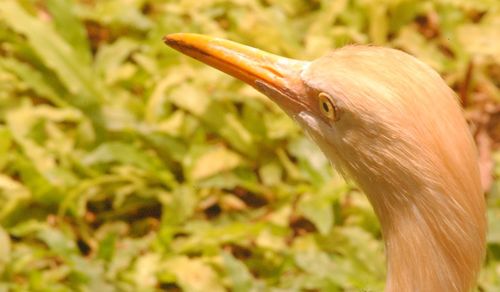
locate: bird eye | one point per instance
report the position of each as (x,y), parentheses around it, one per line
(326,106)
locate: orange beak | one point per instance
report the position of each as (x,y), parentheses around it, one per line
(275,76)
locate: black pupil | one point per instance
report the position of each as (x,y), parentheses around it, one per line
(326,107)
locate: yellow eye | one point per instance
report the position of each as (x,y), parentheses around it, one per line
(326,106)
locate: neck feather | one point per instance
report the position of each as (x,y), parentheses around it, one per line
(434,238)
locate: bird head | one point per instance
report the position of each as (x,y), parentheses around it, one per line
(371,110)
(391,124)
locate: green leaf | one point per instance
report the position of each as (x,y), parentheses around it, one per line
(5,144)
(193,274)
(61,57)
(271,174)
(239,277)
(32,129)
(111,57)
(414,43)
(70,27)
(5,249)
(55,52)
(57,241)
(477,39)
(144,274)
(213,160)
(319,210)
(219,118)
(180,206)
(34,79)
(493,226)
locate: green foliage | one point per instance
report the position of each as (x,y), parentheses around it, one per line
(125,166)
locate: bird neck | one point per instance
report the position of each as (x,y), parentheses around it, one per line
(433,240)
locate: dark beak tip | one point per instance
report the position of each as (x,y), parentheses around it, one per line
(173,40)
(169,40)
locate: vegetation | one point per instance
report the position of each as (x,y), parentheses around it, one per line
(125,166)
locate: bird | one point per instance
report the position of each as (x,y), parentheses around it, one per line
(390,124)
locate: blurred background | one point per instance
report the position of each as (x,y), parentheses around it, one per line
(125,166)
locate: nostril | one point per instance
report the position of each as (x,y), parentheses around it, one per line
(273,70)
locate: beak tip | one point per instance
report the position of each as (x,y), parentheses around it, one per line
(185,42)
(173,40)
